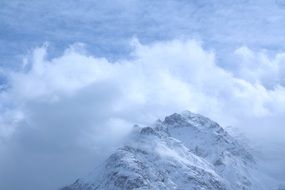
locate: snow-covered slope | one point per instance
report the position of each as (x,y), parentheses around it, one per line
(185,151)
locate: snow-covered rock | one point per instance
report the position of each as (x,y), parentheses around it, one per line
(185,151)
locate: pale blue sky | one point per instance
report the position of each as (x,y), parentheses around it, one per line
(46,108)
(106,26)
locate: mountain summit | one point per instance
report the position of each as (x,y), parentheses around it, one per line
(185,151)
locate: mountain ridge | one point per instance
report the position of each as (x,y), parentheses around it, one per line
(185,151)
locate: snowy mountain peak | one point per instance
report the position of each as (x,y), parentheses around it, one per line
(185,151)
(196,131)
(189,119)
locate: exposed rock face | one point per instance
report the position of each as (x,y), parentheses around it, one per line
(185,151)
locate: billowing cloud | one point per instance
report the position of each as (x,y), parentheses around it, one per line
(260,67)
(57,114)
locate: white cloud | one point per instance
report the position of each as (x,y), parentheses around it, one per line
(78,104)
(260,67)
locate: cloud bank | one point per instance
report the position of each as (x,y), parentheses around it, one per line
(63,112)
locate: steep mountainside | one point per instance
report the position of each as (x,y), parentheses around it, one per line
(185,151)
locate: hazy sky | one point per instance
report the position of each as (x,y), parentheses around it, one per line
(76,75)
